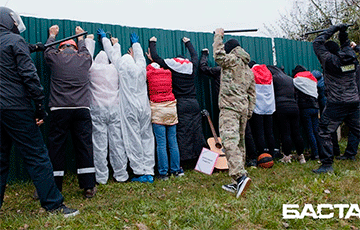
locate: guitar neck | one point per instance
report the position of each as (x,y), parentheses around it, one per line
(213,130)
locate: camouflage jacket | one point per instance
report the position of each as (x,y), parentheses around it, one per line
(237,84)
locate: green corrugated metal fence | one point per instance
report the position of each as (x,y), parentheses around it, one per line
(288,53)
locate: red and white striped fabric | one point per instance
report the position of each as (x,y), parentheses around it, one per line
(306,83)
(265,96)
(180,65)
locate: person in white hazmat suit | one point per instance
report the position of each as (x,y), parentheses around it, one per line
(105,116)
(135,109)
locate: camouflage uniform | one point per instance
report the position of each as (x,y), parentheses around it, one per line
(236,102)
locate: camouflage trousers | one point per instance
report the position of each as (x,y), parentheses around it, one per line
(232,132)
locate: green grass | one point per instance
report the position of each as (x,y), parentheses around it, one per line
(195,201)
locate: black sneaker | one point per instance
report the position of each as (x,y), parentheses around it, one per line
(163,177)
(251,163)
(345,157)
(229,187)
(242,184)
(67,212)
(180,173)
(324,169)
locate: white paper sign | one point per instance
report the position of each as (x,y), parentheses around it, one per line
(207,161)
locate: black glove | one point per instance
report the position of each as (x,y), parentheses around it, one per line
(40,112)
(333,29)
(40,47)
(343,35)
(343,27)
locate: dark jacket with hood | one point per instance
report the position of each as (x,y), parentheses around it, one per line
(19,80)
(183,82)
(284,91)
(213,72)
(305,88)
(339,67)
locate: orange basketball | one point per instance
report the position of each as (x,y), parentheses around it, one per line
(265,160)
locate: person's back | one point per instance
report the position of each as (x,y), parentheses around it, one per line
(262,119)
(236,102)
(339,68)
(189,131)
(106,118)
(339,65)
(164,119)
(69,104)
(104,82)
(69,85)
(287,114)
(237,79)
(18,123)
(284,91)
(134,106)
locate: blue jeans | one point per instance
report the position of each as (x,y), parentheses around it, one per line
(18,127)
(310,122)
(167,133)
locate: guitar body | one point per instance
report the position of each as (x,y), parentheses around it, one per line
(221,162)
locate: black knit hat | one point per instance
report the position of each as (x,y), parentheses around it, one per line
(298,69)
(251,63)
(230,45)
(332,47)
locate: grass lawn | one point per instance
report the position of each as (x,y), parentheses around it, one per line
(196,201)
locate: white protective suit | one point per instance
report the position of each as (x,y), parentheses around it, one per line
(105,115)
(135,107)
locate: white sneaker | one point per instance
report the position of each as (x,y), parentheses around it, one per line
(301,159)
(286,159)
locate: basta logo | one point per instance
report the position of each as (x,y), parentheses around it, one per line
(323,211)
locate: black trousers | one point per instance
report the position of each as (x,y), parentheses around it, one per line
(189,132)
(334,114)
(18,127)
(352,145)
(262,130)
(290,132)
(250,147)
(78,123)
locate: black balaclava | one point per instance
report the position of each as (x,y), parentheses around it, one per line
(251,63)
(230,45)
(298,69)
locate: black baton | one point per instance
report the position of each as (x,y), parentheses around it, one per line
(65,39)
(239,31)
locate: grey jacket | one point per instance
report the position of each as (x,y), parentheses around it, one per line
(70,85)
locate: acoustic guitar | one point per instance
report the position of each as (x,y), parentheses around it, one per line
(215,145)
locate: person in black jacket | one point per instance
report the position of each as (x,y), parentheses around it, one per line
(189,130)
(342,104)
(307,98)
(20,85)
(353,141)
(214,74)
(287,114)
